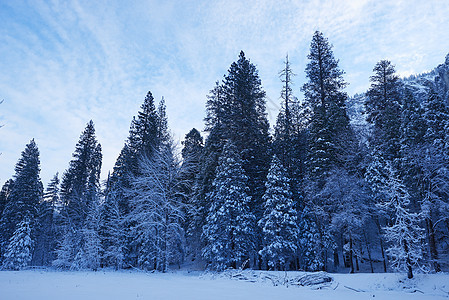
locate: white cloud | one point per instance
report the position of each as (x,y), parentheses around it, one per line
(67,63)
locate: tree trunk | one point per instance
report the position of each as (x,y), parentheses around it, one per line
(351,262)
(368,249)
(432,245)
(408,261)
(381,245)
(336,259)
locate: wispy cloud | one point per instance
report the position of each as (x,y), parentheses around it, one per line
(66,63)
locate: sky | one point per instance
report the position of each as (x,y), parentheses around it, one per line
(63,63)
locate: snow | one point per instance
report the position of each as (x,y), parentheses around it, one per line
(43,284)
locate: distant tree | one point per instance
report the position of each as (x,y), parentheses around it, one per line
(383,107)
(229,227)
(279,221)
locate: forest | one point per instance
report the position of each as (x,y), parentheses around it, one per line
(340,184)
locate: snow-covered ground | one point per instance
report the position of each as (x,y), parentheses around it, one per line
(38,284)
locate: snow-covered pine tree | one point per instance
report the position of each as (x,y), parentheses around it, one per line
(148,131)
(4,199)
(46,233)
(383,107)
(434,176)
(157,211)
(25,195)
(80,192)
(19,252)
(330,138)
(309,242)
(90,249)
(279,221)
(229,228)
(329,124)
(191,155)
(4,195)
(289,140)
(246,124)
(403,232)
(111,230)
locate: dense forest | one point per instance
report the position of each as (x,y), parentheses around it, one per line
(358,184)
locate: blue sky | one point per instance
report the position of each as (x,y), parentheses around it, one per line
(63,63)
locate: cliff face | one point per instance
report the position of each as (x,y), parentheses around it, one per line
(437,80)
(442,79)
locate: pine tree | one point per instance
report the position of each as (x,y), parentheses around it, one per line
(46,235)
(229,226)
(308,242)
(5,194)
(157,212)
(111,230)
(191,155)
(19,252)
(279,221)
(383,107)
(80,193)
(289,140)
(236,111)
(330,138)
(148,133)
(404,232)
(434,176)
(247,123)
(24,197)
(329,122)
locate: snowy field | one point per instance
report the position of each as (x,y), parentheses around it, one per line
(38,284)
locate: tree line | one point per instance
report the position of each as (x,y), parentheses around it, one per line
(316,193)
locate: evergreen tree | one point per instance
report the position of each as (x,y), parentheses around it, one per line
(331,142)
(308,242)
(157,212)
(236,110)
(112,231)
(191,155)
(383,107)
(148,133)
(20,248)
(46,234)
(279,221)
(5,194)
(289,141)
(80,194)
(229,224)
(324,94)
(433,181)
(25,195)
